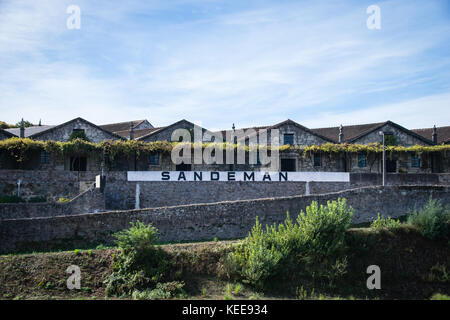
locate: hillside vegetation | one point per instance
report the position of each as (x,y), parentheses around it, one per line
(314,256)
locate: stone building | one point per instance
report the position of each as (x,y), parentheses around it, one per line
(290,133)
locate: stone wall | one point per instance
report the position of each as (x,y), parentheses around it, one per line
(402,138)
(90,201)
(120,194)
(62,133)
(224,220)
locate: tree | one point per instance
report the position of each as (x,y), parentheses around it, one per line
(26,124)
(4,125)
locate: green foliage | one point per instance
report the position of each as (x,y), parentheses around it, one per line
(78,135)
(21,150)
(390,140)
(388,223)
(26,124)
(4,125)
(11,199)
(439,296)
(139,265)
(432,221)
(165,290)
(315,242)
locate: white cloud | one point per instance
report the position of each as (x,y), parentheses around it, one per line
(250,66)
(418,113)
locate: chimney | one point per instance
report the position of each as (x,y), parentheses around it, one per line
(341,134)
(22,129)
(131,131)
(434,137)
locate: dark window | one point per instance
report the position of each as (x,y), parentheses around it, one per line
(391,165)
(78,164)
(289,139)
(78,130)
(154,158)
(317,160)
(287,164)
(45,157)
(415,162)
(362,160)
(183,167)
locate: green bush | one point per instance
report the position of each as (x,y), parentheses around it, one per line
(439,296)
(388,223)
(316,241)
(139,265)
(11,199)
(165,290)
(432,221)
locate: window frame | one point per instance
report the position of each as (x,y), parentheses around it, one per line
(317,156)
(154,155)
(290,135)
(360,160)
(415,159)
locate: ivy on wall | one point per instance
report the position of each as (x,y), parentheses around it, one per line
(21,149)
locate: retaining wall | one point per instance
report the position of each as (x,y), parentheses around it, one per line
(225,220)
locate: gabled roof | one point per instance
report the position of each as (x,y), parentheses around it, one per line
(123,126)
(355,132)
(350,132)
(29,131)
(277,125)
(443,134)
(7,133)
(395,125)
(160,129)
(291,122)
(73,120)
(137,133)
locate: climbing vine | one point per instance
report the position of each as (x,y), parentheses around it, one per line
(21,149)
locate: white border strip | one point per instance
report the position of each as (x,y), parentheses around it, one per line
(244,176)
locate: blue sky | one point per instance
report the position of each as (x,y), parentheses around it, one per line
(221,62)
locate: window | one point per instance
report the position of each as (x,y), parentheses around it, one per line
(78,164)
(362,160)
(287,164)
(154,158)
(45,157)
(317,160)
(289,139)
(415,162)
(183,167)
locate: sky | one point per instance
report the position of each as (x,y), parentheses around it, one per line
(216,62)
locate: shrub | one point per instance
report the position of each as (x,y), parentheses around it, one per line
(11,199)
(432,221)
(388,223)
(139,265)
(439,296)
(315,241)
(162,291)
